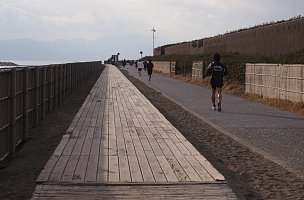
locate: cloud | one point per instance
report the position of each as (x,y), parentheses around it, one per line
(174,20)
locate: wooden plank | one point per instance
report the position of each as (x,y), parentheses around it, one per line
(78,147)
(168,171)
(210,169)
(155,147)
(156,169)
(86,148)
(177,168)
(103,168)
(95,148)
(113,169)
(59,168)
(132,192)
(139,150)
(199,168)
(182,148)
(124,169)
(122,151)
(136,174)
(146,146)
(164,147)
(91,172)
(70,168)
(59,149)
(81,168)
(192,174)
(113,151)
(48,168)
(191,148)
(145,169)
(69,147)
(173,148)
(104,146)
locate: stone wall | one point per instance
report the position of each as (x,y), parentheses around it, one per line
(276,81)
(274,39)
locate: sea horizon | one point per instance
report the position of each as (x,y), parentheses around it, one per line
(22,63)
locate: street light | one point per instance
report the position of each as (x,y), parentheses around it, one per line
(153,30)
(141,54)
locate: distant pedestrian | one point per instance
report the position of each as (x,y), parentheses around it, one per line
(136,64)
(150,66)
(217,70)
(140,65)
(127,65)
(145,65)
(124,62)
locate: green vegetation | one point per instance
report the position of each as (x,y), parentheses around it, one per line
(236,62)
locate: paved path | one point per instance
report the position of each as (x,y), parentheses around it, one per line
(276,134)
(119,146)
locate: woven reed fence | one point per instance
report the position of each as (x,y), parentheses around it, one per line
(28,93)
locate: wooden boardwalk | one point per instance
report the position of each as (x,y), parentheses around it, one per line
(119,146)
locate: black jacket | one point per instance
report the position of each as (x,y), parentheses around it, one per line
(217,70)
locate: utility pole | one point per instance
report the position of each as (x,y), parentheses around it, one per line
(153,30)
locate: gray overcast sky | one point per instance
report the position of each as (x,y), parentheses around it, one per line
(174,20)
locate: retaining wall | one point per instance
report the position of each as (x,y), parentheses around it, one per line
(164,66)
(276,81)
(273,39)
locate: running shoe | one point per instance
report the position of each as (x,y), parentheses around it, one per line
(213,107)
(219,107)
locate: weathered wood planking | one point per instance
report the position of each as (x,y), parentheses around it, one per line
(119,136)
(135,192)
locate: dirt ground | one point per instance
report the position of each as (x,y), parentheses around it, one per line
(250,175)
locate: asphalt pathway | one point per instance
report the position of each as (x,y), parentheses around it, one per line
(276,134)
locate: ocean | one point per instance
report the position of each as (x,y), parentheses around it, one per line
(24,63)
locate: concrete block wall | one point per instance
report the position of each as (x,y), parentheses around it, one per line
(276,81)
(272,40)
(164,66)
(197,70)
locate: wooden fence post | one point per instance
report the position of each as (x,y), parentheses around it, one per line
(60,86)
(25,103)
(43,90)
(50,88)
(36,97)
(70,80)
(55,86)
(13,113)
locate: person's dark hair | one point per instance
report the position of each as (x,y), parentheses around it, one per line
(217,57)
(150,60)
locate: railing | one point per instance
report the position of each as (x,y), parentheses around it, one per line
(28,93)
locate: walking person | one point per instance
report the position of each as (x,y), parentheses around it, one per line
(145,65)
(139,67)
(124,62)
(127,65)
(150,66)
(217,70)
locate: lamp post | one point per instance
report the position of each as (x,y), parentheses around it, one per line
(153,31)
(141,54)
